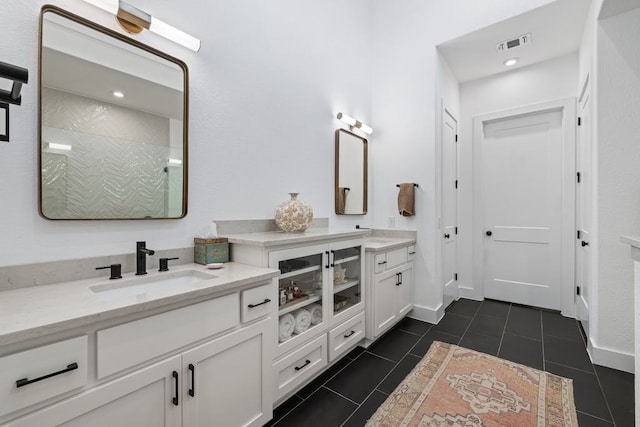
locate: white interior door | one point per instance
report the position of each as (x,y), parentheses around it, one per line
(522,162)
(449,208)
(583,208)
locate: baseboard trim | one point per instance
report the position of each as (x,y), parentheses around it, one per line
(611,358)
(469,293)
(427,314)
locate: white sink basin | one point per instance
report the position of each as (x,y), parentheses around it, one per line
(173,280)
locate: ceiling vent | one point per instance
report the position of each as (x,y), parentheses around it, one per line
(514,43)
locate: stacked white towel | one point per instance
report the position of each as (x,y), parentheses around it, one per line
(302,320)
(316,313)
(286,326)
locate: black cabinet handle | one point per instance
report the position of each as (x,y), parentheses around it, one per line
(446,236)
(192,390)
(412,253)
(382,262)
(303,365)
(400,278)
(26,381)
(266,301)
(175,377)
(397,279)
(349,334)
(488,233)
(327,265)
(333,258)
(584,243)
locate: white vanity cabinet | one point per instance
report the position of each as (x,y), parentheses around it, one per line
(205,364)
(142,398)
(328,273)
(389,288)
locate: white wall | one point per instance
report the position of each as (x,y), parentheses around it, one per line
(404,67)
(545,81)
(618,181)
(264,90)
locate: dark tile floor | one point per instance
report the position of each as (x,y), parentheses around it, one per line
(349,392)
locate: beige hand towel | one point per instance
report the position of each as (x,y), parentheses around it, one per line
(406,199)
(341,200)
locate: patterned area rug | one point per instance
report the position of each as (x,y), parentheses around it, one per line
(457,387)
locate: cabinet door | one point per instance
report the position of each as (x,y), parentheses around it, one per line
(347,270)
(143,398)
(228,381)
(385,313)
(404,295)
(304,274)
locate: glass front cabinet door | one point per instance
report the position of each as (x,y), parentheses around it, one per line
(346,273)
(319,286)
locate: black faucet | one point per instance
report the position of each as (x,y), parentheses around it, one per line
(141,257)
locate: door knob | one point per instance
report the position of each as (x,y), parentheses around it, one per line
(488,233)
(584,243)
(446,236)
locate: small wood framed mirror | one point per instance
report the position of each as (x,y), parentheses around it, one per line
(351,173)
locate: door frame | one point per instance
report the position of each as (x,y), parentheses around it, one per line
(568,108)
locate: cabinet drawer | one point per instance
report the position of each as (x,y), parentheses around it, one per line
(396,258)
(345,336)
(258,302)
(135,342)
(297,367)
(411,252)
(67,359)
(379,263)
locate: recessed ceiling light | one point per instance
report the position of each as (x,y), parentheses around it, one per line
(118,94)
(510,62)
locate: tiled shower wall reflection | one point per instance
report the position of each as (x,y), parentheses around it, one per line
(117,165)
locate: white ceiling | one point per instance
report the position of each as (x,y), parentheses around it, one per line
(556,29)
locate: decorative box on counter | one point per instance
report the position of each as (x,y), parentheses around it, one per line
(207,251)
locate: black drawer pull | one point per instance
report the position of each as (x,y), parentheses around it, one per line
(26,381)
(382,262)
(349,334)
(175,399)
(412,253)
(192,390)
(266,300)
(305,364)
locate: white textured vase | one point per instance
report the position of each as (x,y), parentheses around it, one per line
(294,215)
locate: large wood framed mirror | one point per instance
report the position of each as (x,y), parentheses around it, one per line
(113,124)
(351,174)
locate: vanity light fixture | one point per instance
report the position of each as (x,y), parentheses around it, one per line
(56,146)
(354,123)
(134,20)
(510,62)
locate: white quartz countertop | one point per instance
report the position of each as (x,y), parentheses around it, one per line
(381,244)
(36,311)
(277,238)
